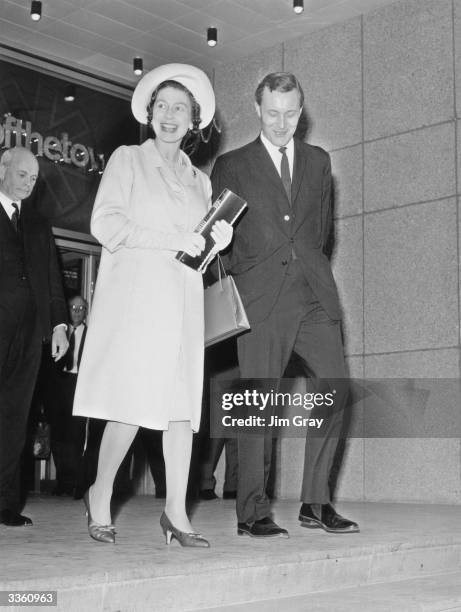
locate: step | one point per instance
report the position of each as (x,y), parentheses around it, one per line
(140,573)
(436,593)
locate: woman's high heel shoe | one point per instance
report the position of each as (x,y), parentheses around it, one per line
(185,539)
(101,533)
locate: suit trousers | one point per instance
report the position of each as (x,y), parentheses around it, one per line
(20,352)
(298,324)
(152,441)
(67,435)
(215,447)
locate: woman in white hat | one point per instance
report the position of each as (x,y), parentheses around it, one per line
(143,359)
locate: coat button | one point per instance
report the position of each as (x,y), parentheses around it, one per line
(286,218)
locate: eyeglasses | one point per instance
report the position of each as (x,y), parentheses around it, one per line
(78,308)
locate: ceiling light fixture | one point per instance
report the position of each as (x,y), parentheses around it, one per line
(137,66)
(35,10)
(298,6)
(69,93)
(212,37)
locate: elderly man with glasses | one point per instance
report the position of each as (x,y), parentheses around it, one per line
(67,431)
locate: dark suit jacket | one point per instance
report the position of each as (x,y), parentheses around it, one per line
(271,227)
(80,348)
(82,344)
(40,263)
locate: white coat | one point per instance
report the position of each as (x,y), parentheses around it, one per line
(143,358)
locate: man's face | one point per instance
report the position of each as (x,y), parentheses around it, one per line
(279,115)
(77,309)
(17,179)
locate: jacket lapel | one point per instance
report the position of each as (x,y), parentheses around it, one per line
(263,166)
(26,227)
(5,222)
(80,348)
(300,167)
(300,197)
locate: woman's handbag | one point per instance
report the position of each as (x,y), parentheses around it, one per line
(225,315)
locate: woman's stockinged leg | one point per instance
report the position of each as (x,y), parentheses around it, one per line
(116,441)
(177,448)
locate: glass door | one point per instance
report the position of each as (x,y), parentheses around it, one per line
(79,254)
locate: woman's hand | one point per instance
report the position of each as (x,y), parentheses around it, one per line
(190,242)
(221,232)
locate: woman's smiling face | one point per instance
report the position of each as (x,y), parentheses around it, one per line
(171,114)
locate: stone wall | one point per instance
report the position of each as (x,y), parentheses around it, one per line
(383,96)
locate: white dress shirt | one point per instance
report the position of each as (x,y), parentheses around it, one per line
(7,204)
(276,156)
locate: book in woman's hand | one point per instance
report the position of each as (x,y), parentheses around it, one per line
(228,206)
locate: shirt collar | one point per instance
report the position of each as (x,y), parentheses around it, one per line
(7,203)
(274,148)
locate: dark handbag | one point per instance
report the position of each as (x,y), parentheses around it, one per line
(225,315)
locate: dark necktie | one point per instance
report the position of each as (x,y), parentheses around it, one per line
(70,351)
(15,216)
(285,172)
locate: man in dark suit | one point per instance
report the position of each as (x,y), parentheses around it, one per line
(68,431)
(32,308)
(287,287)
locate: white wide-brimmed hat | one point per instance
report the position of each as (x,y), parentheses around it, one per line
(191,77)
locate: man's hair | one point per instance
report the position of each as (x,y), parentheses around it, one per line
(8,155)
(279,81)
(77,297)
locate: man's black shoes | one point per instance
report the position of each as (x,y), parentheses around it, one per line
(13,519)
(326,517)
(207,494)
(263,528)
(61,490)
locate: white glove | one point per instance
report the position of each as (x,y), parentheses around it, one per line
(222,233)
(190,242)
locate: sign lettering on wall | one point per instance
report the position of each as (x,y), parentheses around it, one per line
(16,132)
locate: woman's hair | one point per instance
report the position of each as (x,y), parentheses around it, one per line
(196,119)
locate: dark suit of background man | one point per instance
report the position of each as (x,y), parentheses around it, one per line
(31,306)
(278,262)
(68,431)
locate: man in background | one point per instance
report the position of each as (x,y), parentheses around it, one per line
(67,431)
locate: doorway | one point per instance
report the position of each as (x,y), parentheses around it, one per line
(79,255)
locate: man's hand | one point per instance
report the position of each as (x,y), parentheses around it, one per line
(59,343)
